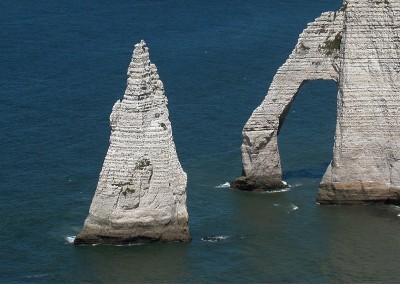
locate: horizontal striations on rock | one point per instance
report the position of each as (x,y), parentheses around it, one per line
(366,158)
(141,193)
(316,56)
(359,48)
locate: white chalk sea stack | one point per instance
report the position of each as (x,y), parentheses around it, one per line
(359,48)
(141,192)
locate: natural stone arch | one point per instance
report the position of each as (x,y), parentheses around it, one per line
(362,54)
(315,57)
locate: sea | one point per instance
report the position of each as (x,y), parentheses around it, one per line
(63,65)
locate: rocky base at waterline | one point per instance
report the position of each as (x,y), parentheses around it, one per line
(141,193)
(100,234)
(357,193)
(257,184)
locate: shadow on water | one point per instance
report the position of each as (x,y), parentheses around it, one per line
(305,173)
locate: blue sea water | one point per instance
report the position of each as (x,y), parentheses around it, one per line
(63,65)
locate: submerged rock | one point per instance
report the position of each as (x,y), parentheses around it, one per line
(359,48)
(141,193)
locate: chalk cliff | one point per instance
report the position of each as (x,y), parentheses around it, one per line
(141,193)
(359,48)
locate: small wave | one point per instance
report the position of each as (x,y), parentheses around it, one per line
(130,244)
(276,204)
(224,185)
(70,239)
(296,185)
(293,208)
(41,275)
(398,215)
(215,239)
(277,191)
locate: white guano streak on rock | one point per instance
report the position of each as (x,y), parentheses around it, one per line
(142,182)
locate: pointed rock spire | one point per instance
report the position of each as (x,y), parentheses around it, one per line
(141,193)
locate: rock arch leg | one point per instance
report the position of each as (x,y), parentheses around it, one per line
(365,166)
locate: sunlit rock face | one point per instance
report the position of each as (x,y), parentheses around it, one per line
(359,48)
(316,56)
(366,154)
(141,193)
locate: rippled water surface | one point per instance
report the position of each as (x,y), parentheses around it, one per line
(63,65)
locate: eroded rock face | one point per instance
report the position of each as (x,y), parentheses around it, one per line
(359,48)
(141,193)
(316,56)
(366,154)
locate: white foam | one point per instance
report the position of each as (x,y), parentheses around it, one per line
(214,239)
(293,208)
(129,244)
(398,215)
(224,185)
(70,239)
(38,275)
(284,183)
(277,191)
